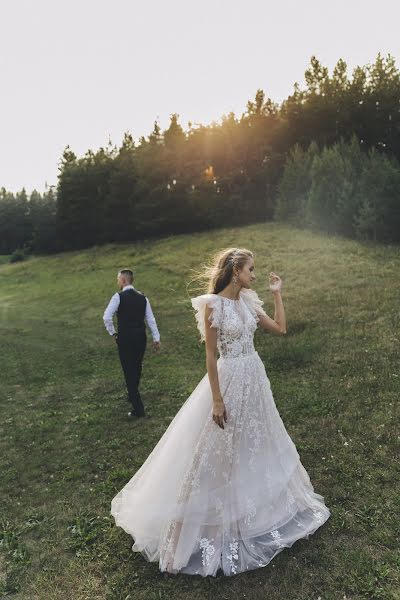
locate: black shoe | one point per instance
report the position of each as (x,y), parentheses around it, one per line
(133,413)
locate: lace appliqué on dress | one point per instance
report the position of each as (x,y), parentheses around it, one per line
(238,317)
(207,551)
(233,556)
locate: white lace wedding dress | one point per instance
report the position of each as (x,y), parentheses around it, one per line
(206,498)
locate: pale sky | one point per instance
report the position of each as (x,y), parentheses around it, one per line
(80,71)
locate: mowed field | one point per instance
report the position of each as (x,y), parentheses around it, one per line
(67,445)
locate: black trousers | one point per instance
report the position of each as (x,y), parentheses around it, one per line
(131,349)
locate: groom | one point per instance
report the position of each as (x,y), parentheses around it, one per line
(133,309)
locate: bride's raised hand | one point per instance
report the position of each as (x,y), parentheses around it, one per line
(219,412)
(275,282)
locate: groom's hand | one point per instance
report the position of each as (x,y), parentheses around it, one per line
(115,336)
(157,346)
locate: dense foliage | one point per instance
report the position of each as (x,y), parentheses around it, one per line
(327,157)
(342,189)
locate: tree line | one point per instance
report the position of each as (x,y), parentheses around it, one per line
(342,189)
(326,157)
(27,222)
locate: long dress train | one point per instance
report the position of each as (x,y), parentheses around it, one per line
(208,498)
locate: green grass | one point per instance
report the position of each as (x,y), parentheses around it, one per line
(67,447)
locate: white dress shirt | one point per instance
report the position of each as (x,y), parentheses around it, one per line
(113,307)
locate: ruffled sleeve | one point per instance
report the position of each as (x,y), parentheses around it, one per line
(254,303)
(199,304)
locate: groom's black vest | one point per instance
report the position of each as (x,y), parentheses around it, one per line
(131,312)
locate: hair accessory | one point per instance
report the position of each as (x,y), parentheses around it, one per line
(233,259)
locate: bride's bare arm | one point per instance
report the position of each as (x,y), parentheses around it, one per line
(278,323)
(219,411)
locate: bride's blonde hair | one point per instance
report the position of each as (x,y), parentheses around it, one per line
(217,274)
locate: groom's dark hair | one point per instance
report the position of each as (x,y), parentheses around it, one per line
(128,274)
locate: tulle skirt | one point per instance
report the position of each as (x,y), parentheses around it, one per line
(208,499)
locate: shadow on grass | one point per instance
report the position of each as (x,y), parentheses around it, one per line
(297,349)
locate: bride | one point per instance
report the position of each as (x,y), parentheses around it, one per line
(224,487)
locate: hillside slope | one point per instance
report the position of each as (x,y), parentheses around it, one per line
(66,445)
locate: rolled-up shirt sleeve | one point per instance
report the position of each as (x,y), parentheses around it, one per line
(110,312)
(151,322)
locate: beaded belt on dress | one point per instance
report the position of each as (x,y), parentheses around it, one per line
(244,354)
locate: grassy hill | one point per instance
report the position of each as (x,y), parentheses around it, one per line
(67,446)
